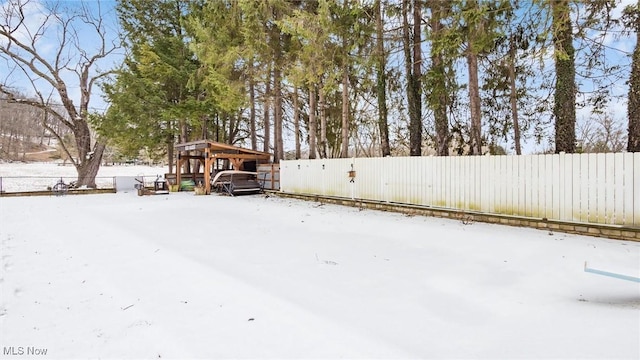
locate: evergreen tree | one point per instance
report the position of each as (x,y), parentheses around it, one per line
(154,99)
(438,80)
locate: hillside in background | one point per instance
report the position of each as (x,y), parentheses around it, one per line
(16,148)
(26,134)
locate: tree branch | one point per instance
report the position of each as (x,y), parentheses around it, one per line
(61,142)
(12,98)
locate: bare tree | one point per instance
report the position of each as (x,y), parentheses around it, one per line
(55,51)
(602,134)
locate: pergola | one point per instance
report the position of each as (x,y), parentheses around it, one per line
(209,152)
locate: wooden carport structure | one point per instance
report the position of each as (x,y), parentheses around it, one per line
(208,153)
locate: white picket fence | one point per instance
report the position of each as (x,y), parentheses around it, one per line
(585,188)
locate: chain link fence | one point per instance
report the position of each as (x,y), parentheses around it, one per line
(10,184)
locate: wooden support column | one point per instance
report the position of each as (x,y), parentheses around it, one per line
(179,171)
(208,160)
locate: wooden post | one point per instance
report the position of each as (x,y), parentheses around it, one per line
(207,171)
(179,171)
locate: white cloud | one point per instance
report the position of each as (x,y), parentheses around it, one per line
(32,24)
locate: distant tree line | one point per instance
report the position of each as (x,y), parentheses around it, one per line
(22,130)
(341,78)
(367,78)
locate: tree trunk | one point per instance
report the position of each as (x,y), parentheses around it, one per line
(267,123)
(513,96)
(344,152)
(170,153)
(10,141)
(439,93)
(204,129)
(323,124)
(276,40)
(633,106)
(184,137)
(296,121)
(413,73)
(252,115)
(26,140)
(312,122)
(234,120)
(381,83)
(82,136)
(408,60)
(564,108)
(278,153)
(439,103)
(474,102)
(416,119)
(88,162)
(42,133)
(3,141)
(88,167)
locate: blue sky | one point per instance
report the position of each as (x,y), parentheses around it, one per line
(48,41)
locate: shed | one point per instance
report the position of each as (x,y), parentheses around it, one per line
(209,153)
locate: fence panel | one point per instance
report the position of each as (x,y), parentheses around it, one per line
(636,188)
(594,188)
(536,187)
(618,185)
(369,181)
(610,189)
(628,189)
(583,183)
(546,177)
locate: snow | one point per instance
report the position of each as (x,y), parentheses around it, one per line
(38,176)
(184,276)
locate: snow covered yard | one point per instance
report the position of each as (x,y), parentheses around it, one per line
(184,276)
(38,176)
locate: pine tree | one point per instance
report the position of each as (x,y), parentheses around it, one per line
(154,98)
